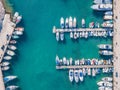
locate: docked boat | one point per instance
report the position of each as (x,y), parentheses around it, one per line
(61,36)
(93,72)
(108,84)
(19,18)
(18,33)
(64,61)
(9,78)
(105,46)
(107,25)
(108,17)
(12,87)
(5,63)
(102,1)
(108,88)
(15,16)
(11,53)
(109,13)
(83,23)
(7,57)
(15,36)
(74,23)
(71,35)
(13,42)
(76,76)
(102,7)
(70,22)
(108,79)
(81,75)
(19,29)
(91,25)
(71,75)
(89,71)
(101,83)
(84,71)
(12,47)
(5,68)
(57,36)
(71,61)
(101,88)
(57,60)
(105,52)
(75,35)
(67,23)
(62,24)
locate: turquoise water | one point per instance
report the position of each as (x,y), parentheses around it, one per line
(34,63)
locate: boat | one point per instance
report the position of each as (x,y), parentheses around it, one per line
(105,46)
(61,36)
(12,87)
(64,61)
(11,53)
(109,79)
(57,36)
(93,72)
(108,17)
(109,13)
(5,63)
(15,36)
(19,29)
(57,60)
(71,61)
(7,57)
(101,88)
(76,76)
(107,25)
(71,75)
(108,84)
(89,71)
(62,22)
(101,83)
(108,88)
(102,1)
(18,19)
(75,35)
(9,78)
(102,7)
(83,23)
(15,16)
(67,23)
(18,33)
(84,71)
(5,68)
(71,35)
(12,47)
(13,42)
(74,23)
(91,25)
(70,22)
(81,75)
(105,52)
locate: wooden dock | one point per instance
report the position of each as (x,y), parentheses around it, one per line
(84,66)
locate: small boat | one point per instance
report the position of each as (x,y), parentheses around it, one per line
(9,78)
(84,71)
(5,64)
(105,52)
(76,76)
(68,63)
(102,7)
(105,46)
(12,87)
(19,29)
(93,72)
(101,88)
(15,36)
(67,23)
(13,42)
(64,61)
(108,88)
(70,22)
(108,79)
(71,75)
(101,83)
(57,36)
(108,17)
(57,60)
(74,23)
(62,22)
(61,36)
(97,25)
(71,61)
(12,47)
(18,19)
(102,1)
(91,25)
(75,35)
(15,16)
(83,23)
(7,57)
(5,68)
(89,71)
(81,75)
(18,33)
(108,84)
(71,35)
(11,53)
(109,13)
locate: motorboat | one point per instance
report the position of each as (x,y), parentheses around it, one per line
(71,75)
(86,34)
(12,87)
(106,52)
(15,36)
(71,61)
(84,71)
(76,76)
(74,23)
(89,71)
(61,36)
(83,23)
(107,25)
(109,79)
(109,13)
(62,24)
(101,88)
(93,72)
(102,7)
(13,42)
(108,88)
(108,17)
(18,33)
(9,78)
(68,63)
(70,22)
(12,47)
(57,60)
(91,25)
(57,36)
(71,35)
(81,75)
(108,84)
(105,70)
(105,46)
(101,83)
(5,68)
(19,18)
(64,61)
(67,23)
(15,16)
(102,1)
(7,57)
(5,63)
(19,29)
(11,53)
(97,25)
(75,35)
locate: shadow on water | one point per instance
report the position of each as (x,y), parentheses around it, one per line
(98,14)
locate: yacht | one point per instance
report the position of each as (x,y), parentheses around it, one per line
(71,75)
(81,75)
(70,22)
(105,46)
(109,13)
(108,17)
(12,87)
(71,35)
(57,36)
(18,19)
(83,23)
(5,68)
(9,78)
(62,22)
(18,32)
(67,23)
(11,53)
(75,35)
(109,79)
(102,7)
(61,36)
(105,52)
(76,76)
(74,23)
(19,29)
(12,47)
(13,42)
(7,57)
(102,1)
(5,63)
(93,72)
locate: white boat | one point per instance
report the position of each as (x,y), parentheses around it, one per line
(5,63)
(71,75)
(13,42)
(101,83)
(102,1)
(84,71)
(76,76)
(5,68)
(57,60)
(74,23)
(61,36)
(83,23)
(105,52)
(57,36)
(71,61)
(11,53)
(109,79)
(71,35)
(62,24)
(109,13)
(19,29)
(81,75)
(101,88)
(68,63)
(18,32)
(15,36)
(7,57)
(107,25)
(70,22)
(12,47)
(93,72)
(9,78)
(18,19)
(67,23)
(108,88)
(105,70)
(15,16)
(108,17)
(89,71)
(102,7)
(108,84)
(64,61)
(105,46)
(75,35)
(12,87)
